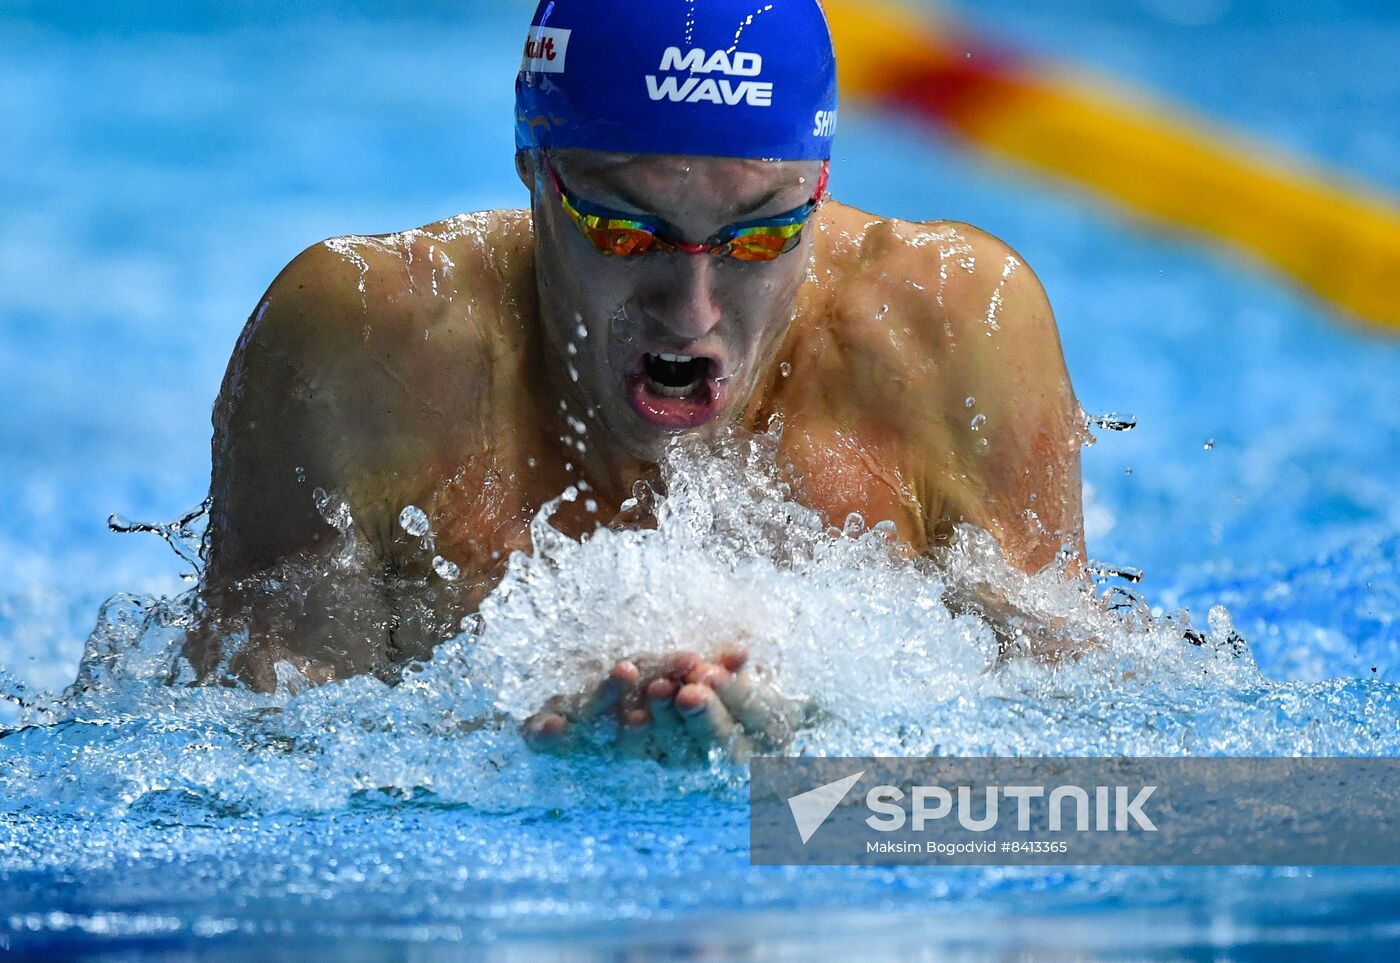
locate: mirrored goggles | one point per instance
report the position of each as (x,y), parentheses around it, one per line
(620,234)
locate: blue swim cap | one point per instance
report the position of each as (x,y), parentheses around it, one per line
(719,78)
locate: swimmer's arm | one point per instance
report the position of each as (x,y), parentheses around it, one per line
(1017,477)
(294,417)
(1014,427)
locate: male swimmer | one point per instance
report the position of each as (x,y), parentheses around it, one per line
(681,269)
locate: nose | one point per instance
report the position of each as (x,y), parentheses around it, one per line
(681,298)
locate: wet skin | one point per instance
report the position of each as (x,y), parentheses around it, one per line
(478,366)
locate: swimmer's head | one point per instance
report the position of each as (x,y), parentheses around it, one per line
(675,152)
(717,78)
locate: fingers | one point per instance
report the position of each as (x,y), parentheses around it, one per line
(554,727)
(660,699)
(678,665)
(756,706)
(681,704)
(620,681)
(705,717)
(545,731)
(635,735)
(732,657)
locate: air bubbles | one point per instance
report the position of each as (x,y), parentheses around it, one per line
(446,570)
(301,475)
(969,402)
(1209,444)
(978,420)
(785,369)
(414,521)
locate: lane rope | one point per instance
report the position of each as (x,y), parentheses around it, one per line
(1338,239)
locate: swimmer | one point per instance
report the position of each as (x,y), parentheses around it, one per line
(681,268)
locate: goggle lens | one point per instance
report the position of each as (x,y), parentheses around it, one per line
(764,243)
(621,237)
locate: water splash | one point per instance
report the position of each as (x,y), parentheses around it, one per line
(184,535)
(838,618)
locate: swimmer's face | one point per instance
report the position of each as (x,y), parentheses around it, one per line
(666,342)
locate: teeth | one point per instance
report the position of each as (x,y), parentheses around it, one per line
(675,358)
(666,391)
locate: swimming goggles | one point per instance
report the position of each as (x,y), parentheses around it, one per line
(618,234)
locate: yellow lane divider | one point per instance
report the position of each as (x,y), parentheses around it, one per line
(1339,240)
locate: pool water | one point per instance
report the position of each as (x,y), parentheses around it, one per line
(158,165)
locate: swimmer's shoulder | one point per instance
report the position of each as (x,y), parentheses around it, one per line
(930,292)
(948,273)
(462,265)
(446,288)
(924,315)
(372,355)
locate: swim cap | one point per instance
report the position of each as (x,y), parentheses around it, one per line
(720,78)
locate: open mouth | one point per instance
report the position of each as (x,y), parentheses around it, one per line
(676,375)
(676,391)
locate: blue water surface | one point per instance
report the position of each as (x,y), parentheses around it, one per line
(160,162)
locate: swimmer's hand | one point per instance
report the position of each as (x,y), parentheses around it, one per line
(671,708)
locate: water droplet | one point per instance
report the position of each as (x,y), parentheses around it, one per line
(446,570)
(880,314)
(969,402)
(573,373)
(1111,422)
(1104,570)
(414,521)
(1210,443)
(983,444)
(590,505)
(785,369)
(978,420)
(571,347)
(532,462)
